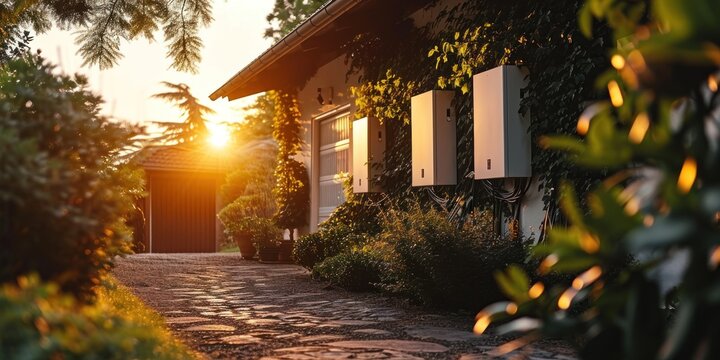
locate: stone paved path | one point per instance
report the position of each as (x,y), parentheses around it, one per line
(228,308)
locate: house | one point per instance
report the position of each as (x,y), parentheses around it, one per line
(311,61)
(179,210)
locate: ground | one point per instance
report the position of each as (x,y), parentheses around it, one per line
(228,308)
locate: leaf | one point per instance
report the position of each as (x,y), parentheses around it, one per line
(678,337)
(565,143)
(665,231)
(514,283)
(585,20)
(523,324)
(570,206)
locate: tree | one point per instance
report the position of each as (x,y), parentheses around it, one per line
(258,122)
(18,43)
(103,24)
(659,132)
(193,128)
(288,14)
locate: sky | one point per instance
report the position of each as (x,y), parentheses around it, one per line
(232,41)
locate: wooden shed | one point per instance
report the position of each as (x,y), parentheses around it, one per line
(179,213)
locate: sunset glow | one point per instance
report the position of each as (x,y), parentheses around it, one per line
(219,135)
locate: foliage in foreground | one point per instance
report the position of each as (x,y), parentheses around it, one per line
(103,25)
(662,206)
(64,190)
(37,321)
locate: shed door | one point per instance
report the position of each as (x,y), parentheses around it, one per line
(183,214)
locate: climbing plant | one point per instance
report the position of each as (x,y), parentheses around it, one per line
(474,36)
(661,206)
(292,192)
(387,98)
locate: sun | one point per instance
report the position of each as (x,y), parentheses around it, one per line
(219,135)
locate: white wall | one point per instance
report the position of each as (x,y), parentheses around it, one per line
(331,75)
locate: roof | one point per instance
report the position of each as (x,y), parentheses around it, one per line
(314,43)
(183,158)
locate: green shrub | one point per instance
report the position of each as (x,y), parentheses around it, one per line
(359,212)
(327,242)
(65,193)
(39,322)
(237,217)
(355,270)
(264,233)
(437,264)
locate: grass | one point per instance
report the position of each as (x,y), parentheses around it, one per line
(118,300)
(229,248)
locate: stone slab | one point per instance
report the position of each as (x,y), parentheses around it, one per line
(211,327)
(398,345)
(185,319)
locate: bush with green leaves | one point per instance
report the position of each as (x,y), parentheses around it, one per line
(37,321)
(435,263)
(236,216)
(354,270)
(327,242)
(359,212)
(264,233)
(65,191)
(659,134)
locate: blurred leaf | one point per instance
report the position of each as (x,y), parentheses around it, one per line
(666,231)
(585,20)
(681,332)
(521,325)
(514,283)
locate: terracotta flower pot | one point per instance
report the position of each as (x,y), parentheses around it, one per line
(247,248)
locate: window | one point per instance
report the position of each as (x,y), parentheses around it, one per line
(334,164)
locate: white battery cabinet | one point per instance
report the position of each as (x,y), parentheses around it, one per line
(501,138)
(434,146)
(368,152)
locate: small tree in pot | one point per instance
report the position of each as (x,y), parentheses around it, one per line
(266,237)
(235,217)
(240,217)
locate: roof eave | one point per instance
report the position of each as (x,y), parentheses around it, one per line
(322,18)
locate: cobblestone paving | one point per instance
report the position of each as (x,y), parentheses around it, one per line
(228,308)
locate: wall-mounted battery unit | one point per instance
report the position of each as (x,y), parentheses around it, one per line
(368,152)
(434,160)
(502,142)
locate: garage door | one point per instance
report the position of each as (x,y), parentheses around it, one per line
(182,218)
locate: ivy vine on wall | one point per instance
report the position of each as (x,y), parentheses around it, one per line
(472,37)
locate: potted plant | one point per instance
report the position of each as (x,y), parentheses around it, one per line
(286,249)
(236,219)
(266,237)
